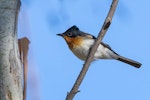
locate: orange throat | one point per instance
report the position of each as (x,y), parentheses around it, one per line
(73,41)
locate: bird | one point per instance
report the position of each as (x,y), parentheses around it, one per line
(80,43)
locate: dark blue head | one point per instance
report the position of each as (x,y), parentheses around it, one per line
(74,32)
(71,32)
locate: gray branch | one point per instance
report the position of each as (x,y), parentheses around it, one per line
(89,59)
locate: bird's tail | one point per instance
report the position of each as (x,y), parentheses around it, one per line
(129,61)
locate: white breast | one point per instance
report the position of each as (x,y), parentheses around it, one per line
(102,52)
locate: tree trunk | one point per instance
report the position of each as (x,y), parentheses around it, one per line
(10,63)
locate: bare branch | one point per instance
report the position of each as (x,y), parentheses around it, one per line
(89,59)
(23,48)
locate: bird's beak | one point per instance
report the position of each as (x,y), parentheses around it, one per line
(60,35)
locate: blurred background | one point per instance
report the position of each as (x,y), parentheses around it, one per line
(53,68)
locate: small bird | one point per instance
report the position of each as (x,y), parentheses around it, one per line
(80,42)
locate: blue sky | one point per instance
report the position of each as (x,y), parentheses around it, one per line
(53,68)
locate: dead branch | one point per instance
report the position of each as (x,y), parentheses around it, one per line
(89,59)
(23,48)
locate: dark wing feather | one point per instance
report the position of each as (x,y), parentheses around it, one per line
(107,46)
(93,37)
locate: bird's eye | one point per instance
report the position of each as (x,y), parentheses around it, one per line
(69,34)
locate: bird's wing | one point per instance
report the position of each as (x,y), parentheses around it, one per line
(93,37)
(107,46)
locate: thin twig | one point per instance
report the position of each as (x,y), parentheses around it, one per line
(89,59)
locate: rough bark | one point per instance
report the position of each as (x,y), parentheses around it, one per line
(10,64)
